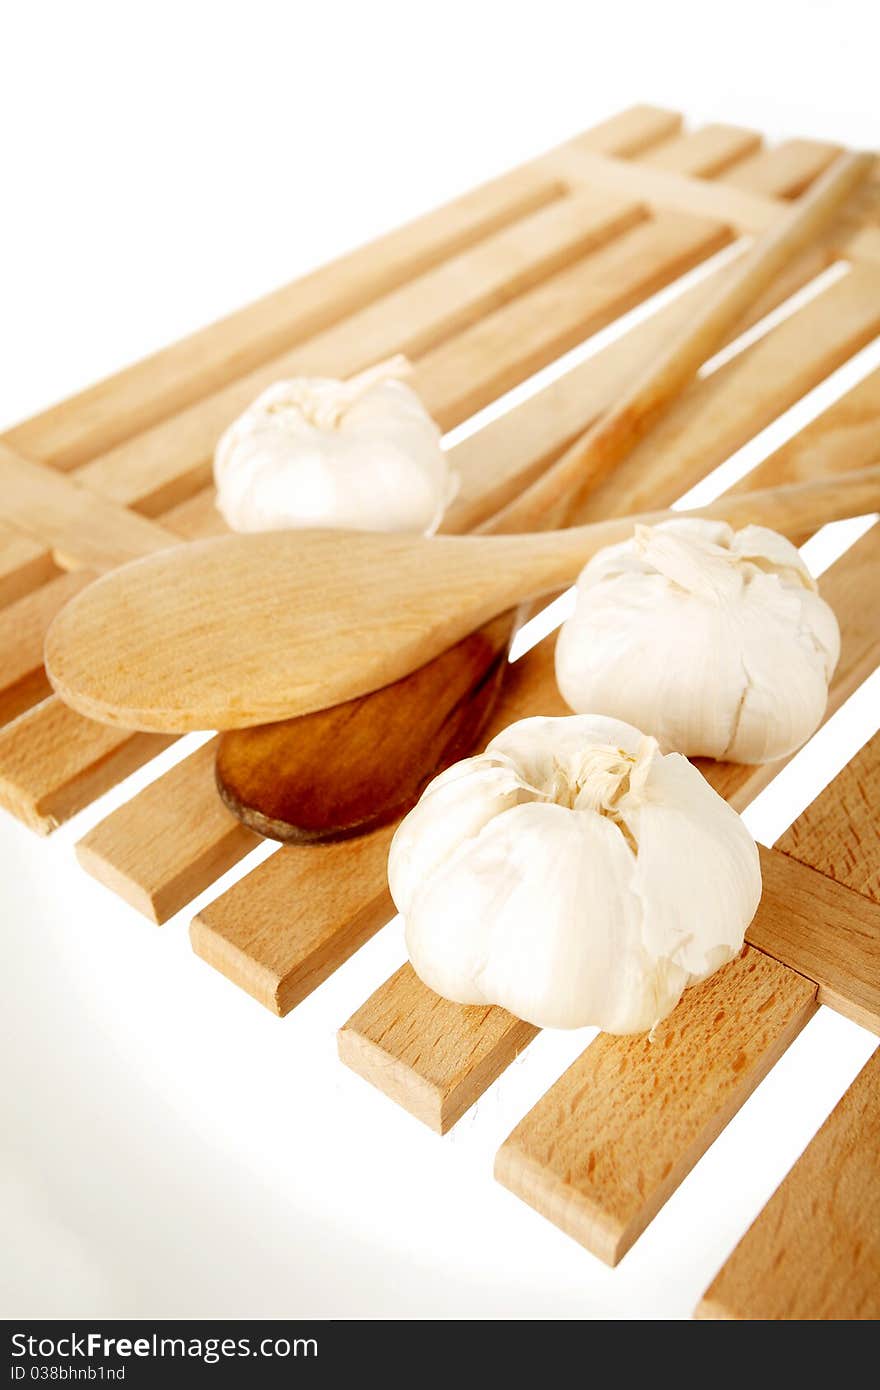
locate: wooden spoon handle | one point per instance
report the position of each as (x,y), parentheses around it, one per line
(792,509)
(553,496)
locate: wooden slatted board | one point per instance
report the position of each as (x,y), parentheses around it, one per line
(481,294)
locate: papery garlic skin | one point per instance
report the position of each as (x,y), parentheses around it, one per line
(716,642)
(362,454)
(574,875)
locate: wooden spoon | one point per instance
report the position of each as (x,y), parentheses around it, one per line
(184,640)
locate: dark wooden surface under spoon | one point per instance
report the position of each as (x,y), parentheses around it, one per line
(361,764)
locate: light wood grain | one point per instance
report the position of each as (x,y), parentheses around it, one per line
(825,931)
(667,190)
(630,132)
(183,640)
(562,313)
(24,565)
(784,171)
(734,403)
(88,532)
(293,923)
(839,833)
(618,432)
(606,1146)
(719,413)
(207,840)
(23,624)
(314,777)
(85,530)
(813,1254)
(863,245)
(706,152)
(713,419)
(415,1061)
(53,762)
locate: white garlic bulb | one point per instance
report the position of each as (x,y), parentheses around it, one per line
(362,454)
(573,874)
(716,642)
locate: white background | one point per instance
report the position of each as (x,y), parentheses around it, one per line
(170,1148)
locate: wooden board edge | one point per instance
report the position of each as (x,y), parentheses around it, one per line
(597,1231)
(413,1093)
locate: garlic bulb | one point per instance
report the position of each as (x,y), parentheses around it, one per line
(573,874)
(714,641)
(362,454)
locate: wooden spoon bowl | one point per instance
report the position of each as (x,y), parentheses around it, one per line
(361,764)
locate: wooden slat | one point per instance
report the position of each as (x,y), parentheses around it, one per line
(23,565)
(707,424)
(433,1080)
(845,436)
(23,624)
(83,528)
(609,1142)
(327,913)
(813,1254)
(52,762)
(630,132)
(783,172)
(669,191)
(706,152)
(843,584)
(825,931)
(837,834)
(503,348)
(863,245)
(531,435)
(207,840)
(822,336)
(170,461)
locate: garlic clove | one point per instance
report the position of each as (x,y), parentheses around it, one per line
(695,856)
(770,551)
(452,810)
(536,914)
(776,716)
